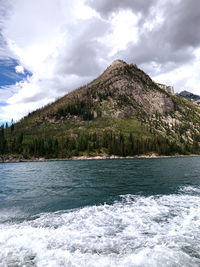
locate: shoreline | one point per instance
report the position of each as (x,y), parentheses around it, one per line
(153,156)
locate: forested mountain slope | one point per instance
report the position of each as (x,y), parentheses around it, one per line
(122,112)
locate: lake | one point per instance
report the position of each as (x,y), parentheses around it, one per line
(117,212)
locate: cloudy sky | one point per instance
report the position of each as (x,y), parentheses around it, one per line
(50,47)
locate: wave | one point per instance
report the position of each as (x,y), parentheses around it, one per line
(190,190)
(135,231)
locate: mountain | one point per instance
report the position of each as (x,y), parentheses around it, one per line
(190,96)
(123,112)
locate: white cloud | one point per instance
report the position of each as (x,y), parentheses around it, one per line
(19,69)
(186,77)
(37,34)
(65,44)
(124,30)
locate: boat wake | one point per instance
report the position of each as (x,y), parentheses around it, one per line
(162,230)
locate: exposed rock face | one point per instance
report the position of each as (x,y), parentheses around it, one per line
(135,90)
(121,90)
(118,63)
(169,89)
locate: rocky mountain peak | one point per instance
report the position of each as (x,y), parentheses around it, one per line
(121,91)
(118,69)
(118,62)
(116,66)
(124,90)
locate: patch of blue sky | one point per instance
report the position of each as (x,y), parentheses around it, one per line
(4,123)
(3,104)
(8,74)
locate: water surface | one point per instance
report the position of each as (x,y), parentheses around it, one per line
(120,212)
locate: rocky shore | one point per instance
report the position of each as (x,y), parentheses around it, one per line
(15,159)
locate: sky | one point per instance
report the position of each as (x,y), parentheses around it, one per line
(51,47)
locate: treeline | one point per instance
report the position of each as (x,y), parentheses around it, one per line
(92,144)
(83,109)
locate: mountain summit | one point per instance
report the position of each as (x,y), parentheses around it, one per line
(122,112)
(121,91)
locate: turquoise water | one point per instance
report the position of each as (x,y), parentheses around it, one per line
(120,212)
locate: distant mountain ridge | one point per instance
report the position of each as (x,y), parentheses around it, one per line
(122,112)
(190,96)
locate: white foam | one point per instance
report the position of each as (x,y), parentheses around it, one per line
(190,189)
(11,214)
(136,231)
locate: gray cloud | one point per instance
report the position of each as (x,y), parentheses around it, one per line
(34,98)
(183,25)
(84,53)
(167,46)
(154,48)
(105,7)
(81,60)
(170,44)
(5,11)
